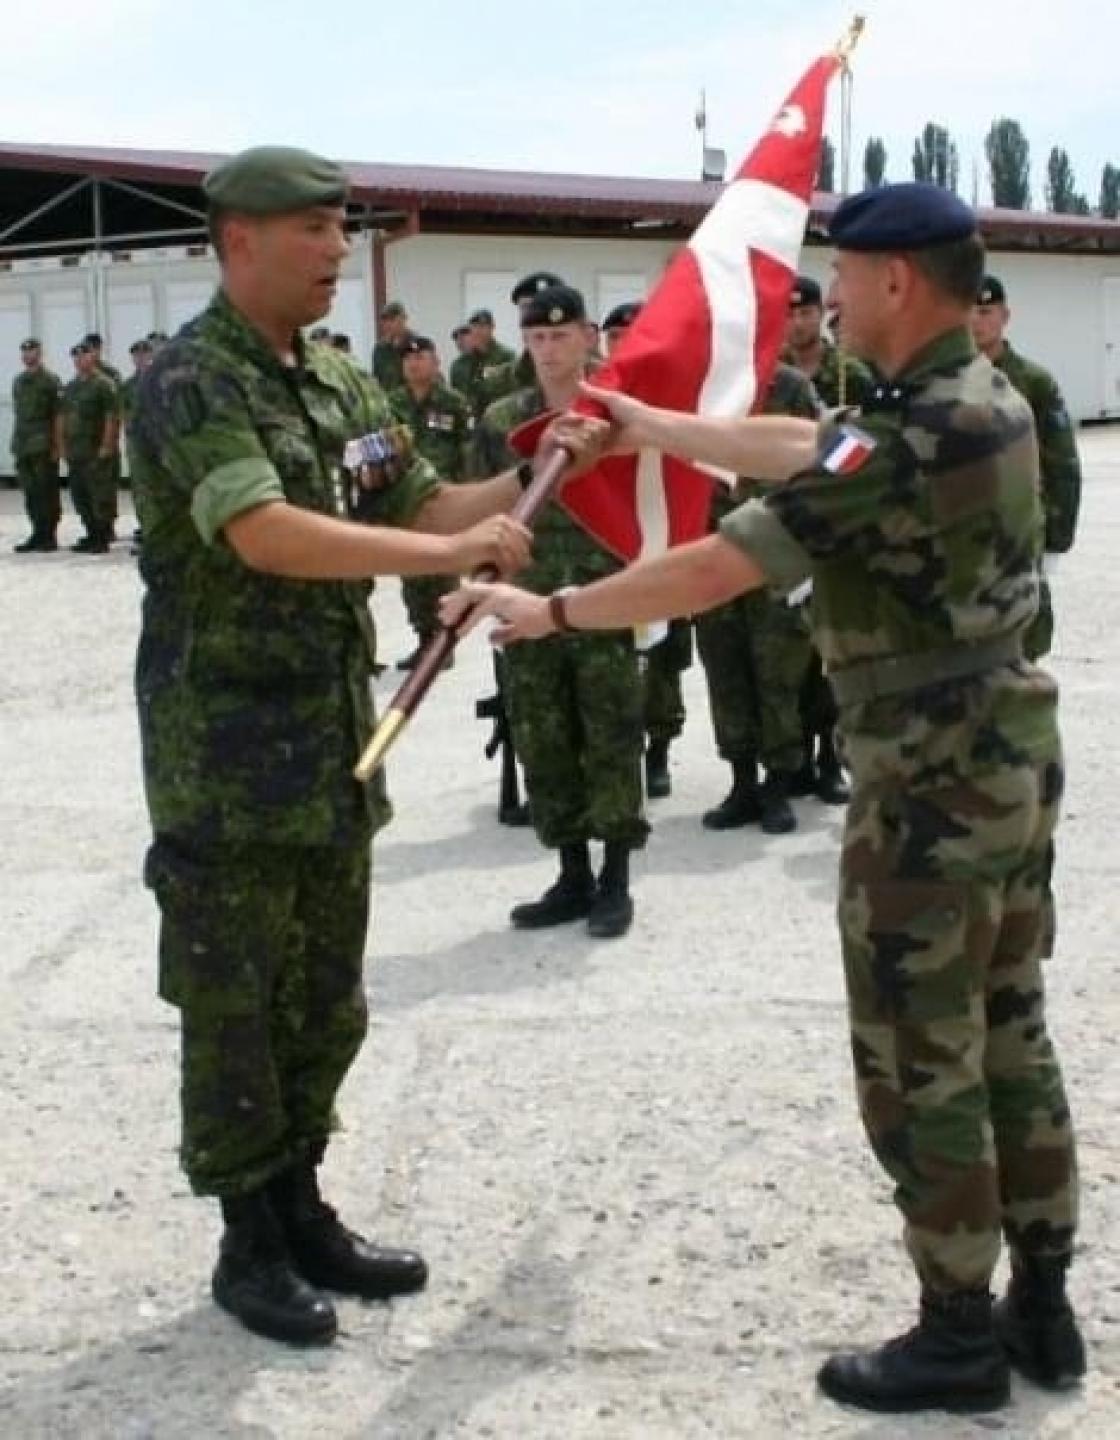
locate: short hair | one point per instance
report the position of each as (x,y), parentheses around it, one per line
(955,268)
(216,218)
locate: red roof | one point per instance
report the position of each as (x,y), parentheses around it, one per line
(442,189)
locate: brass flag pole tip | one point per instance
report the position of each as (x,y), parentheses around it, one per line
(389,727)
(851,39)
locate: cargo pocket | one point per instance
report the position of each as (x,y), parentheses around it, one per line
(211,942)
(905,950)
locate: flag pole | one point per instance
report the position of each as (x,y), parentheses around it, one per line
(844,53)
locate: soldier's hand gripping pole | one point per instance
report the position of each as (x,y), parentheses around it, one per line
(442,644)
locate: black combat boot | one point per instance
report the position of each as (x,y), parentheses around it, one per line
(1035,1323)
(777,816)
(829,785)
(950,1361)
(570,898)
(518,815)
(83,545)
(741,805)
(33,543)
(613,910)
(329,1255)
(254,1279)
(658,783)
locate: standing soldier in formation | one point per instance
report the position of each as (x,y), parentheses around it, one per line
(492,382)
(755,651)
(439,421)
(35,408)
(575,703)
(460,376)
(252,683)
(142,354)
(89,423)
(664,663)
(1059,462)
(918,527)
(386,363)
(97,345)
(839,379)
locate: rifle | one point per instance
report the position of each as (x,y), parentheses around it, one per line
(493,707)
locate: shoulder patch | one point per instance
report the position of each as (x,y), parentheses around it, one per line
(846,450)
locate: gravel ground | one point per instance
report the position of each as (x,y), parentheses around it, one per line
(635,1166)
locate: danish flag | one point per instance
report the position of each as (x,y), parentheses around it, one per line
(709,336)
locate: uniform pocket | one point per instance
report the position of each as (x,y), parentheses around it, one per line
(905,950)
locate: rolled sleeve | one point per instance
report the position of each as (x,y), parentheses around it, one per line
(230,490)
(758,532)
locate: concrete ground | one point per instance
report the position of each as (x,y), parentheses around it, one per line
(635,1166)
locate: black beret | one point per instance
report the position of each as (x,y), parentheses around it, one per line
(460,330)
(393,311)
(416,345)
(157,337)
(911,216)
(81,348)
(481,317)
(93,339)
(991,291)
(30,344)
(320,332)
(554,305)
(622,315)
(529,285)
(805,291)
(274,179)
(140,347)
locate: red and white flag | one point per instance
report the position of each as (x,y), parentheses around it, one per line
(709,336)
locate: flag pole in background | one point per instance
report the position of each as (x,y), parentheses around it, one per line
(844,51)
(706,341)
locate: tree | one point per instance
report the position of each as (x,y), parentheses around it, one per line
(935,157)
(1009,165)
(1062,195)
(1110,192)
(874,163)
(826,173)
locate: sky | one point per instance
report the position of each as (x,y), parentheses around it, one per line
(595,88)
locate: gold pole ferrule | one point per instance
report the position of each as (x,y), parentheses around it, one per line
(389,727)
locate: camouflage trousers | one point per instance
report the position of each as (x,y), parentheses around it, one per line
(755,651)
(38,479)
(662,666)
(575,704)
(421,599)
(816,701)
(261,950)
(945,918)
(93,489)
(1040,633)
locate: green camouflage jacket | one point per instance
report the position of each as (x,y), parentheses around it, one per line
(1059,463)
(563,552)
(441,427)
(790,393)
(86,405)
(253,690)
(36,396)
(387,367)
(461,375)
(858,381)
(926,548)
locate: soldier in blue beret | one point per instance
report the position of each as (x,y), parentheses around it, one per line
(917,523)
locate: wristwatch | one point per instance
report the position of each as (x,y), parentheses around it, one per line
(557,609)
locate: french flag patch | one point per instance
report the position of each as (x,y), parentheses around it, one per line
(847,450)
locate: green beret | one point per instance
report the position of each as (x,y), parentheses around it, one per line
(273,180)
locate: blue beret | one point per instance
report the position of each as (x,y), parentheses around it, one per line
(912,216)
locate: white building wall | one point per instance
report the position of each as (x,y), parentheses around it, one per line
(1058,317)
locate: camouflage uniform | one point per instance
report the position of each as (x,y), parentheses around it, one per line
(924,576)
(1060,474)
(496,379)
(461,376)
(254,703)
(839,379)
(441,427)
(575,700)
(662,667)
(755,649)
(35,404)
(387,368)
(87,403)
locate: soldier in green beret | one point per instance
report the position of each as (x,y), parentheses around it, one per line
(1059,462)
(439,421)
(251,449)
(88,416)
(916,522)
(36,395)
(393,331)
